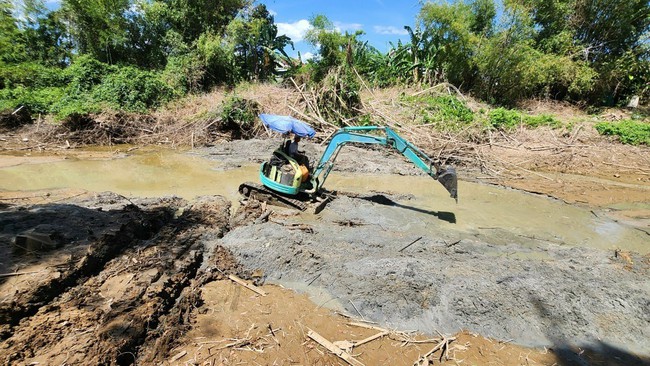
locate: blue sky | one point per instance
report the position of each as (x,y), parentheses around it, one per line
(382,21)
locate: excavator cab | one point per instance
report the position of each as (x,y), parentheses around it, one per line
(284,174)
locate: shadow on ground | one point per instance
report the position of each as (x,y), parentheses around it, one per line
(598,353)
(450,217)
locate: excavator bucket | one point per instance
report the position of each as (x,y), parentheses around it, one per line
(447,177)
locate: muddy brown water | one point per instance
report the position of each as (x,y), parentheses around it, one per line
(502,215)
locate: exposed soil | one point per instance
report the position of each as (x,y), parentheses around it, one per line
(98,278)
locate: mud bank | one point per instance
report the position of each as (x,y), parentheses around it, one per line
(118,271)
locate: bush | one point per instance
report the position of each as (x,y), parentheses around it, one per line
(85,73)
(446,110)
(35,100)
(507,119)
(541,120)
(238,116)
(628,131)
(504,119)
(132,90)
(185,73)
(31,74)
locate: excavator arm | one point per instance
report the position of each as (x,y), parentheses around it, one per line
(366,135)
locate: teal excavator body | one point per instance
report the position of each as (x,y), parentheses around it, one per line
(293,180)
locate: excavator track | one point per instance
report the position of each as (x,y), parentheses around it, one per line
(261,193)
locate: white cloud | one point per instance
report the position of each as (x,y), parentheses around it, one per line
(307,56)
(342,27)
(296,31)
(382,29)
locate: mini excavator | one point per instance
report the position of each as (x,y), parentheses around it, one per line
(290,184)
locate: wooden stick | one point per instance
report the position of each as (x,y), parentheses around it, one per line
(253,288)
(368,326)
(4,275)
(411,243)
(334,349)
(178,356)
(371,338)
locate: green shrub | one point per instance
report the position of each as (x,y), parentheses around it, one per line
(504,119)
(35,100)
(628,131)
(541,120)
(31,75)
(185,73)
(507,119)
(445,110)
(132,90)
(238,116)
(85,73)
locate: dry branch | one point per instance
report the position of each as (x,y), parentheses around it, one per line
(5,275)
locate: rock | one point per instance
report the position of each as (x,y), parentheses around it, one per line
(634,102)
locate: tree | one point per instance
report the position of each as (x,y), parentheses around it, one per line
(98,27)
(191,18)
(258,48)
(334,49)
(12,48)
(45,34)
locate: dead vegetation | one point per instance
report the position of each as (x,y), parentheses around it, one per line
(493,155)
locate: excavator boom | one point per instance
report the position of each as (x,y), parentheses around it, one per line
(367,135)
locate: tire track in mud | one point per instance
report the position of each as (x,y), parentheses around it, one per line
(135,295)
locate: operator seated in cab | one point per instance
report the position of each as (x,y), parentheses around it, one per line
(290,150)
(294,153)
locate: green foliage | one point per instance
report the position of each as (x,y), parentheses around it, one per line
(238,116)
(12,48)
(87,86)
(256,44)
(85,73)
(133,90)
(541,120)
(628,131)
(45,34)
(504,119)
(334,49)
(508,119)
(447,111)
(191,18)
(99,27)
(218,60)
(35,100)
(184,73)
(31,74)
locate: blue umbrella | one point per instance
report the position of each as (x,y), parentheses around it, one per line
(285,124)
